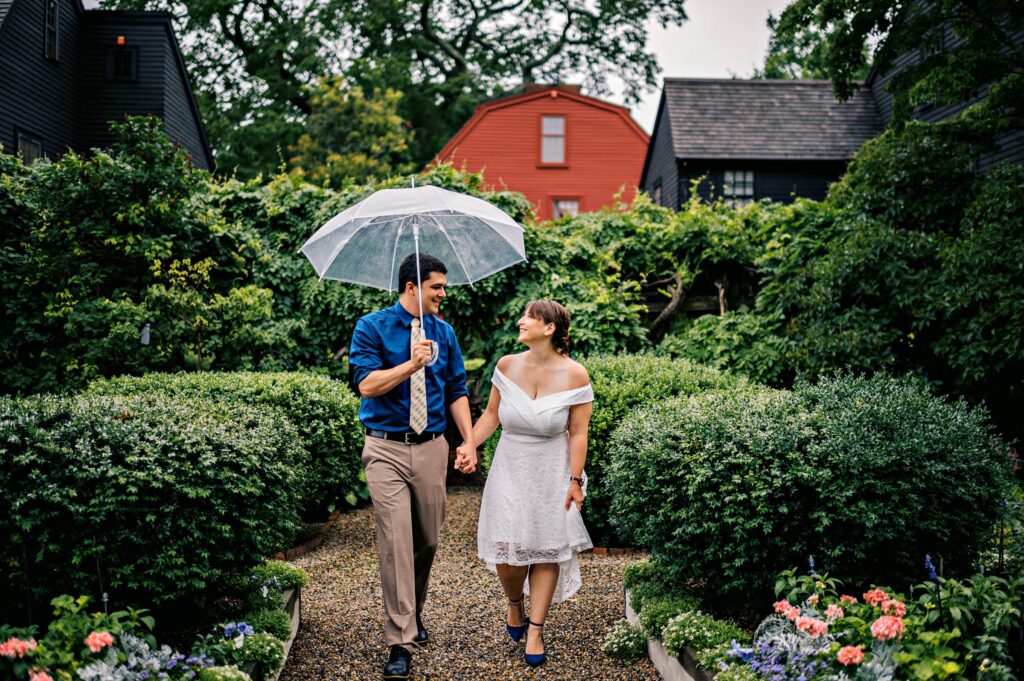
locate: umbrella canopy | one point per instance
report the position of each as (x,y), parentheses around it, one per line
(366,243)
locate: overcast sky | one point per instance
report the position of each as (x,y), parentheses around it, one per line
(721,38)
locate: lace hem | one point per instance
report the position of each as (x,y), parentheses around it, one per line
(500,554)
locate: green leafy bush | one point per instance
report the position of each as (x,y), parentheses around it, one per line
(265,650)
(273,622)
(324,412)
(280,574)
(150,499)
(624,641)
(727,486)
(698,631)
(658,611)
(223,674)
(743,343)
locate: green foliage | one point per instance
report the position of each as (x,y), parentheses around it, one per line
(265,650)
(982,54)
(624,641)
(281,574)
(81,239)
(222,674)
(698,631)
(803,55)
(658,611)
(323,412)
(273,622)
(647,579)
(351,135)
(742,343)
(159,499)
(726,486)
(737,673)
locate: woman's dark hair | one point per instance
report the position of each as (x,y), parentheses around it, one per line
(550,312)
(407,270)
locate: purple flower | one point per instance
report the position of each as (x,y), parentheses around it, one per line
(932,575)
(229,630)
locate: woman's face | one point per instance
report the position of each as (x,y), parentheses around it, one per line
(532,329)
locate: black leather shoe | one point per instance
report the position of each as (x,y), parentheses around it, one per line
(399,663)
(422,637)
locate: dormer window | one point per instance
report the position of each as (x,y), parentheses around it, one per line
(552,142)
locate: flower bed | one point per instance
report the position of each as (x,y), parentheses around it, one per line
(97,646)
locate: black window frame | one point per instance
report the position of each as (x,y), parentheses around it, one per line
(129,52)
(657,192)
(742,197)
(51,30)
(20,135)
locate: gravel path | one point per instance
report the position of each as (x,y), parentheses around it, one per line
(342,635)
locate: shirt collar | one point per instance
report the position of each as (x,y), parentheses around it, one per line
(403,315)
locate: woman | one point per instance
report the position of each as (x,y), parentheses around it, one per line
(530,528)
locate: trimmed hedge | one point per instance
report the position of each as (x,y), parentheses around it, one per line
(151,499)
(324,412)
(866,475)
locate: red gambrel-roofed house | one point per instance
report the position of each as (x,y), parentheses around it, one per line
(565,151)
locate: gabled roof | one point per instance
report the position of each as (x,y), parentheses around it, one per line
(766,119)
(536,92)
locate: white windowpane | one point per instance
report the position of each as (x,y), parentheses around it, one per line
(739,185)
(563,207)
(553,125)
(552,150)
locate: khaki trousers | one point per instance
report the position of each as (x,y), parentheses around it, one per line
(407,487)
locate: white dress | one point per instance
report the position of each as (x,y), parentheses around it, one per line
(522,515)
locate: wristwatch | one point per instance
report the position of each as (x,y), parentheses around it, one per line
(579,480)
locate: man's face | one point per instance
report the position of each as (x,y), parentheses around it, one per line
(433,292)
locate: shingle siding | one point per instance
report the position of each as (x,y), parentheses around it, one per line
(37,95)
(179,121)
(780,181)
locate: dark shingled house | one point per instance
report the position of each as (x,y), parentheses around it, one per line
(65,72)
(753,139)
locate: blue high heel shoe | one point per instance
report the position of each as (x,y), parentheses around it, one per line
(535,660)
(516,633)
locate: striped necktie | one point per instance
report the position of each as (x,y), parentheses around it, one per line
(417,387)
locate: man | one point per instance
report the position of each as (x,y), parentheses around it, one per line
(404,396)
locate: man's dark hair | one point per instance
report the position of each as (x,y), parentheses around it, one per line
(407,270)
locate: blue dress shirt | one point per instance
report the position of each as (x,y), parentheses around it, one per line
(381,341)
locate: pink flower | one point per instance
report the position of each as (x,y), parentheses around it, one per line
(850,655)
(847,600)
(887,627)
(811,626)
(781,607)
(875,596)
(834,612)
(98,640)
(792,612)
(813,599)
(39,675)
(16,647)
(894,607)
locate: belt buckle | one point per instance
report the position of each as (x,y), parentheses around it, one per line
(407,434)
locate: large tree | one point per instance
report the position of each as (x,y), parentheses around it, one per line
(987,53)
(253,61)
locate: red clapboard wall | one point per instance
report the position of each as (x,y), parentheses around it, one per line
(602,149)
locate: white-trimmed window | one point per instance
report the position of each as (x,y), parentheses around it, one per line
(565,207)
(738,187)
(552,139)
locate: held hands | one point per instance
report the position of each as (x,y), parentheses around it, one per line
(465,458)
(574,496)
(421,353)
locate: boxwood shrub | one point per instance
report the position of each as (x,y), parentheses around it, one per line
(325,413)
(150,499)
(623,383)
(866,475)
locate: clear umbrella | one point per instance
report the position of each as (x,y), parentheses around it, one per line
(365,243)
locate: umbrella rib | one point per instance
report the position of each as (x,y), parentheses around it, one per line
(454,250)
(394,252)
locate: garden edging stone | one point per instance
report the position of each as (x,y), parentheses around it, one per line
(670,667)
